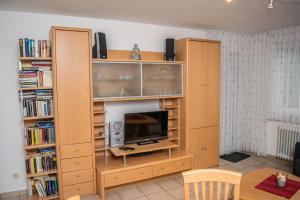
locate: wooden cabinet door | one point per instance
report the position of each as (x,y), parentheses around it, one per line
(211,146)
(73,89)
(213,60)
(195,145)
(197,85)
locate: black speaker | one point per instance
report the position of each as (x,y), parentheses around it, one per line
(170,50)
(99,49)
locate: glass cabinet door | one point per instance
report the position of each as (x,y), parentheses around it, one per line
(162,79)
(116,79)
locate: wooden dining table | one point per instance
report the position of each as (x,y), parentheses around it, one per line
(251,179)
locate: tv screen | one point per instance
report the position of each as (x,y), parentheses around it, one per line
(146,126)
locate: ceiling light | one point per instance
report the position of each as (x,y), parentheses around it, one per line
(271,4)
(229,1)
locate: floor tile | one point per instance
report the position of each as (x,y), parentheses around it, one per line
(112,196)
(129,193)
(177,193)
(249,169)
(179,180)
(149,188)
(169,184)
(141,198)
(160,196)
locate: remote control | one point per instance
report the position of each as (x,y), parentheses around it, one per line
(125,148)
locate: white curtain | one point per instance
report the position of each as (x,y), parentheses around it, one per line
(260,82)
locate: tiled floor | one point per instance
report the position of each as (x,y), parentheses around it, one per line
(171,187)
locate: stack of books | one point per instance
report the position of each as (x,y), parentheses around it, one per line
(42,133)
(41,161)
(28,79)
(42,186)
(35,74)
(37,103)
(34,48)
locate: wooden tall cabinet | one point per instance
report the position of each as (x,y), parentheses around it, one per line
(73,110)
(201,102)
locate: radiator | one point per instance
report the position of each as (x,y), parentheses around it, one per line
(286,140)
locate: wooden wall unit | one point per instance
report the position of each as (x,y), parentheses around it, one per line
(201,102)
(74,110)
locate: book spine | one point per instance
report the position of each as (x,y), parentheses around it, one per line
(26,48)
(21,53)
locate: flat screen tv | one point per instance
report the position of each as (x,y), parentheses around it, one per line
(146,126)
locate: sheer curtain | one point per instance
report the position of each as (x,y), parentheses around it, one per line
(260,82)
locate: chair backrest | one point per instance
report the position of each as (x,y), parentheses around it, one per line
(74,198)
(212,177)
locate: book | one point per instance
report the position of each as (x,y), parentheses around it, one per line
(34,48)
(42,186)
(41,133)
(40,161)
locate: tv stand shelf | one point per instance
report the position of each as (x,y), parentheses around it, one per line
(161,145)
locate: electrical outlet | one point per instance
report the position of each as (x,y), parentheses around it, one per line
(15,175)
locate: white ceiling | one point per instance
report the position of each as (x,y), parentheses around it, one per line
(246,16)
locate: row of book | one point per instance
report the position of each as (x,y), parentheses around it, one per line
(34,48)
(42,186)
(40,161)
(41,133)
(35,74)
(37,103)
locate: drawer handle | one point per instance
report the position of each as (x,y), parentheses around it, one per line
(162,168)
(76,150)
(142,173)
(183,164)
(78,189)
(77,163)
(78,176)
(116,178)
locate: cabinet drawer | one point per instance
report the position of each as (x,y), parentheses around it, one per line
(82,176)
(76,150)
(171,167)
(75,164)
(128,176)
(78,189)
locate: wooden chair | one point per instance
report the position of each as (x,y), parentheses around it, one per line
(203,176)
(74,198)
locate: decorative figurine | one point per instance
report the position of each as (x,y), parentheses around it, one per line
(135,53)
(281,180)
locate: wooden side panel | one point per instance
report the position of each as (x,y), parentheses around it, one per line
(213,60)
(197,85)
(73,86)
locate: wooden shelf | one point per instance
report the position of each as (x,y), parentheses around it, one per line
(99,137)
(99,124)
(175,117)
(36,197)
(116,99)
(42,173)
(170,107)
(35,88)
(35,58)
(100,148)
(172,128)
(161,145)
(99,112)
(97,60)
(40,146)
(36,118)
(174,138)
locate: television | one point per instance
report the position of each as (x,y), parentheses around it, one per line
(145,127)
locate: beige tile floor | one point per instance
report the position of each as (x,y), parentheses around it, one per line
(171,187)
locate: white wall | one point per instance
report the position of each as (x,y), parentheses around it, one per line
(15,25)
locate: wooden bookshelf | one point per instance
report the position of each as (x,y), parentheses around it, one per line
(99,128)
(44,198)
(31,122)
(37,118)
(40,146)
(41,173)
(35,88)
(35,58)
